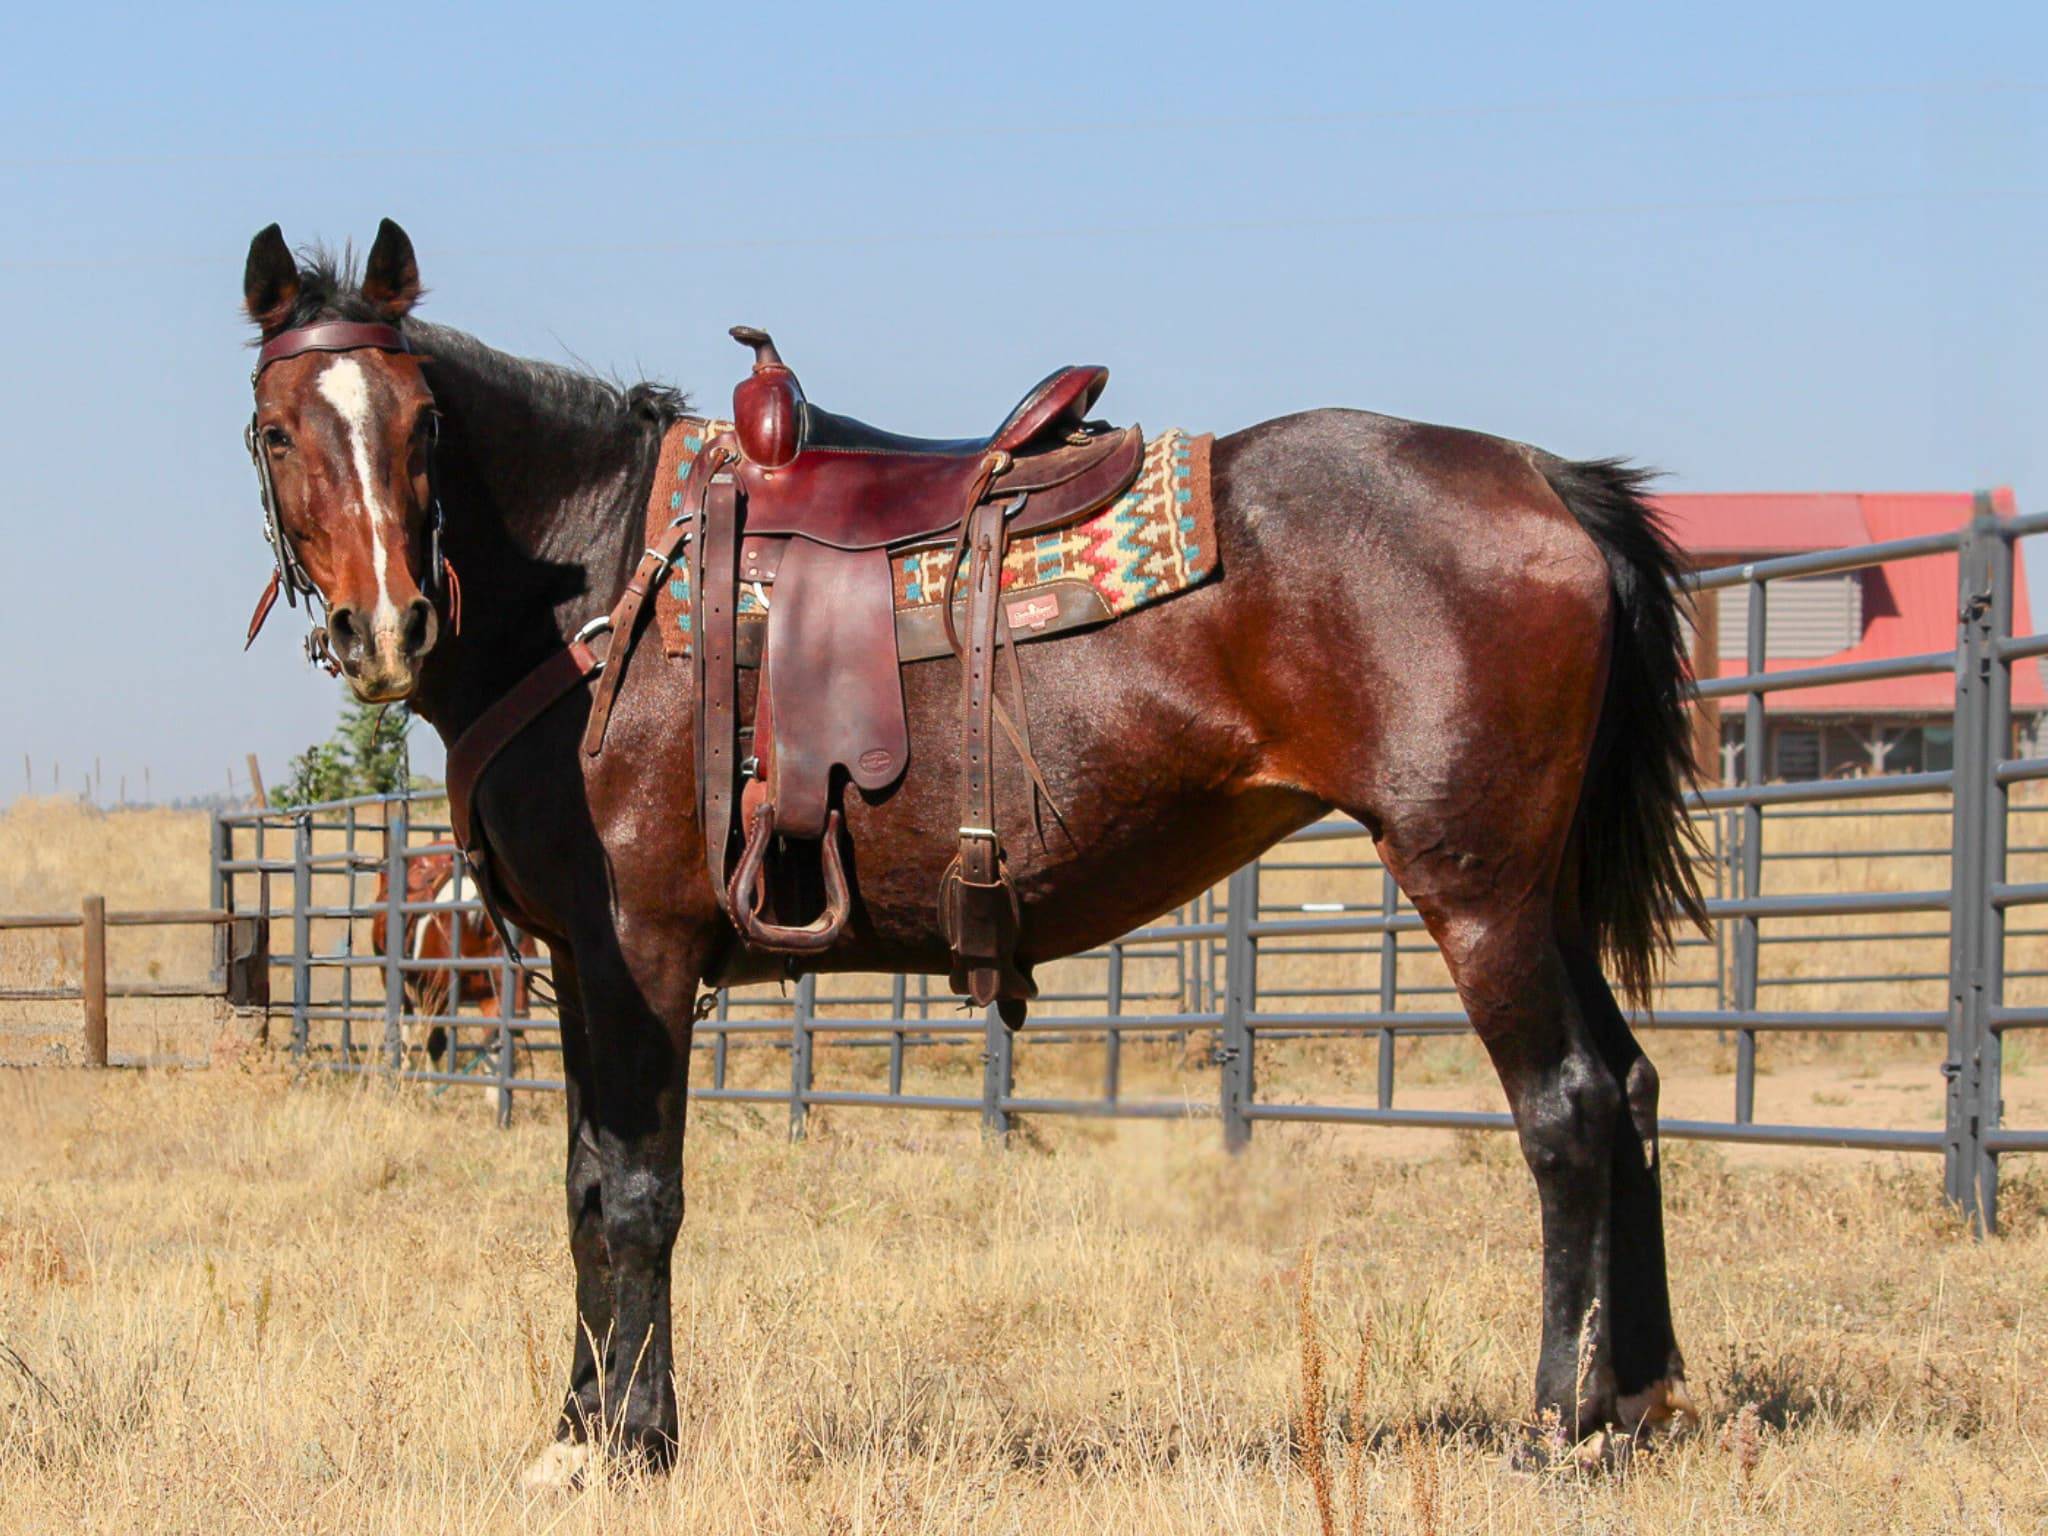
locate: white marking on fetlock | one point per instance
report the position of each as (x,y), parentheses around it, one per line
(561,1465)
(1662,1402)
(1592,1452)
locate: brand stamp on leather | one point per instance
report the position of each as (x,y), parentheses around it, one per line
(1034,612)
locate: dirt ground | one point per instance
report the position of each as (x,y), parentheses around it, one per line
(231,1301)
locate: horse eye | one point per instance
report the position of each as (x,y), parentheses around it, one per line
(276,439)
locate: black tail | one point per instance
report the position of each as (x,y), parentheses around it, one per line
(1636,844)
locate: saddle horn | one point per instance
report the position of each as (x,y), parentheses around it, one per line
(768,405)
(765,355)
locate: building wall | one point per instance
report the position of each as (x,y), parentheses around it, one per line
(1809,617)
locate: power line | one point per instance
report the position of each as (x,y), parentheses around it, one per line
(1038,128)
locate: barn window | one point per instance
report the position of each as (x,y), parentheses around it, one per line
(1797,754)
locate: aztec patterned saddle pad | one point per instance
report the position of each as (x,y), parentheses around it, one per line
(1156,540)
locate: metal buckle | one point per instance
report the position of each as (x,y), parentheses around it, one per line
(598,626)
(987,832)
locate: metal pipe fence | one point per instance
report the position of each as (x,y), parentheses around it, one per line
(1312,943)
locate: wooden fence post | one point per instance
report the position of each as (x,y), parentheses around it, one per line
(1706,665)
(93,981)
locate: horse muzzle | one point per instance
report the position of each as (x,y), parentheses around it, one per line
(380,655)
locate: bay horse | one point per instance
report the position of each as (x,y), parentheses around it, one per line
(449,936)
(1471,646)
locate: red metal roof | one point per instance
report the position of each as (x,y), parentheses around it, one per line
(1909,607)
(1764,523)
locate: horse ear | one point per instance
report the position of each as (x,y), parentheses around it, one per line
(270,281)
(391,277)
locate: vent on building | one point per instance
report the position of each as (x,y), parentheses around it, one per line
(1806,617)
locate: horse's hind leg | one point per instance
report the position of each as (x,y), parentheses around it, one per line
(1490,910)
(1648,1369)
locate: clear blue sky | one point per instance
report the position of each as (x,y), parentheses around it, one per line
(1764,247)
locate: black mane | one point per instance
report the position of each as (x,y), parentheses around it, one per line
(330,288)
(554,391)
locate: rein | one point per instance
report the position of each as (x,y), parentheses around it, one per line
(287,574)
(533,695)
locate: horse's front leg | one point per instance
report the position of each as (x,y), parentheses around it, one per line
(584,1187)
(625,1047)
(563,1463)
(639,1018)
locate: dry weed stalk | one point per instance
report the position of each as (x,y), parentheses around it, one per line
(1425,1481)
(536,1377)
(1584,1366)
(1354,1454)
(1312,1422)
(1743,1439)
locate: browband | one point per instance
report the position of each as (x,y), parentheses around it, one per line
(330,336)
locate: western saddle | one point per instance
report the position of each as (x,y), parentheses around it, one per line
(818,503)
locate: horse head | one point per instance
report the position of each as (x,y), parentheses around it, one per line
(342,437)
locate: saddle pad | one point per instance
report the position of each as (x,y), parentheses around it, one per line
(1156,540)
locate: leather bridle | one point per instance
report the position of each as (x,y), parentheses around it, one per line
(288,574)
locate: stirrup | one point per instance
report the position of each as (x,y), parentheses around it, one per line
(822,931)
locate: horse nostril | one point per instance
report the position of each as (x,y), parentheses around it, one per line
(420,625)
(341,626)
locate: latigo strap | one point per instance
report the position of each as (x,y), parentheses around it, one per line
(977,904)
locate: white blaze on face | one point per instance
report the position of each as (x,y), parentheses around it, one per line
(344,386)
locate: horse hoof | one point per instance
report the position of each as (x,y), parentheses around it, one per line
(1604,1451)
(1663,1403)
(561,1465)
(1544,1449)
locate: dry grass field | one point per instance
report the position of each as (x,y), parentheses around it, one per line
(55,851)
(233,1300)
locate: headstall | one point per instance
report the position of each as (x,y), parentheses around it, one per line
(288,575)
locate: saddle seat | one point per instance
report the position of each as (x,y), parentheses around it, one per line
(816,503)
(815,474)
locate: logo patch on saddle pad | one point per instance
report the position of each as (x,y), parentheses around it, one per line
(1034,612)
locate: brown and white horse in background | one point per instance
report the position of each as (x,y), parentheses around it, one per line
(449,935)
